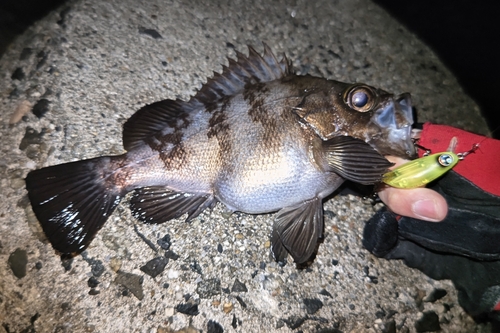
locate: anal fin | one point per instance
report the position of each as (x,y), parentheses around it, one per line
(297,229)
(158,204)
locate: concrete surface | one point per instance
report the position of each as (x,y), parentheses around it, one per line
(77,75)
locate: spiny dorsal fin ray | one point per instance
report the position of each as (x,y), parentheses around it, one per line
(155,117)
(245,70)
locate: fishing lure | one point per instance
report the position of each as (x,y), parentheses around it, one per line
(423,170)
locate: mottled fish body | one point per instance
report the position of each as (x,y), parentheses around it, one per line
(256,138)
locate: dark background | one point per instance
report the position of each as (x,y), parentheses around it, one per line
(464,33)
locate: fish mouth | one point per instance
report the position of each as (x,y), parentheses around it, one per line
(395,119)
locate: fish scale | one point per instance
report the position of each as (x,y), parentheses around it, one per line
(256,138)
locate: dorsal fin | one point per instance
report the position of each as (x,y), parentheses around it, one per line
(245,70)
(153,118)
(250,69)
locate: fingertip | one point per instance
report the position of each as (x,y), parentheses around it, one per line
(428,209)
(419,203)
(441,206)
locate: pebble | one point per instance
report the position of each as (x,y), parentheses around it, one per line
(312,305)
(17,263)
(428,323)
(195,267)
(97,268)
(389,327)
(227,307)
(31,137)
(115,264)
(132,282)
(17,183)
(155,266)
(92,282)
(324,292)
(150,32)
(66,306)
(440,308)
(172,274)
(234,322)
(239,287)
(436,294)
(208,288)
(66,264)
(94,292)
(242,303)
(21,110)
(214,327)
(190,309)
(18,74)
(164,242)
(171,255)
(380,314)
(294,322)
(41,107)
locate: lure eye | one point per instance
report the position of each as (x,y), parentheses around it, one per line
(360,98)
(445,160)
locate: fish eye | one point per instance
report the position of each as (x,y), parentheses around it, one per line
(360,98)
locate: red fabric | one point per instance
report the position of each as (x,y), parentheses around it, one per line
(481,167)
(497,307)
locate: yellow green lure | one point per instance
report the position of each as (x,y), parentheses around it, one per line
(423,170)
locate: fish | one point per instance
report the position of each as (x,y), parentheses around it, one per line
(256,137)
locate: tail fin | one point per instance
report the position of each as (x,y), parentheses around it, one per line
(72,201)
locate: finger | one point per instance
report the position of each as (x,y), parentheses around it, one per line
(420,203)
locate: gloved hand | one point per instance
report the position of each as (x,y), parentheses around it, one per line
(465,246)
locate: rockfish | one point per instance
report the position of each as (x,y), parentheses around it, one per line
(256,138)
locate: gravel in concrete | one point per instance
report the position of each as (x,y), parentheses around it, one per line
(89,65)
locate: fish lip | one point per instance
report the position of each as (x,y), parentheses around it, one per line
(404,105)
(395,118)
(404,101)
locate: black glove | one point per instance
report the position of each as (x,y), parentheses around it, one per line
(464,248)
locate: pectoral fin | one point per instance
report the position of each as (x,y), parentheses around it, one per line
(354,160)
(297,229)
